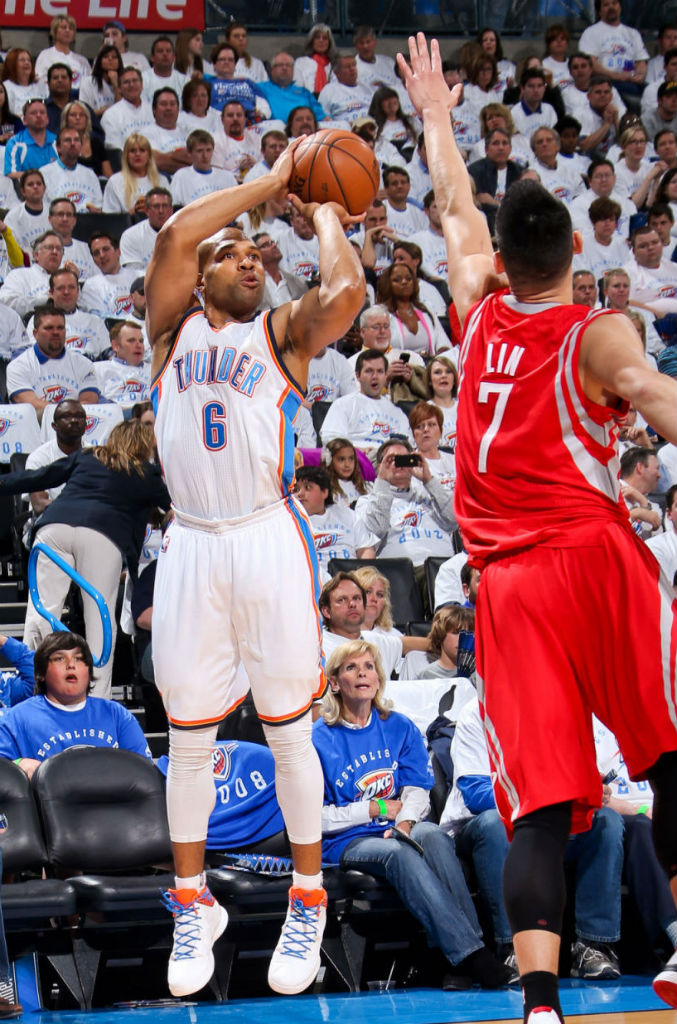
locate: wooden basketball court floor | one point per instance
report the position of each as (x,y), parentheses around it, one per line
(628,1001)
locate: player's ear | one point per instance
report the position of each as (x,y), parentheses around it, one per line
(578,243)
(499,265)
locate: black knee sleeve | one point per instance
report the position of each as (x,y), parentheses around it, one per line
(663,779)
(534,889)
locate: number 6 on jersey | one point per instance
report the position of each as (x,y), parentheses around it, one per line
(502,392)
(214,432)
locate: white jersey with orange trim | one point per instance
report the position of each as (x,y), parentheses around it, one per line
(224,406)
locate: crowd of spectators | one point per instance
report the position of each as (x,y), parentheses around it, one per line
(136,136)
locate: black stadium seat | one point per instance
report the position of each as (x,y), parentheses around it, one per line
(88,224)
(405,595)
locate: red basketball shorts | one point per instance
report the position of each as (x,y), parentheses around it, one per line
(561,633)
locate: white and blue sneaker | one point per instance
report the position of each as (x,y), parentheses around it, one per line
(665,982)
(543,1015)
(296,959)
(198,922)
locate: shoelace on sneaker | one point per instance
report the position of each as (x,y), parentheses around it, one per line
(300,928)
(187,923)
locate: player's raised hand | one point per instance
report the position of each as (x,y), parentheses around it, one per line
(424,79)
(284,165)
(308,211)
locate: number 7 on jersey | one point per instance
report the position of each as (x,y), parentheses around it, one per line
(502,393)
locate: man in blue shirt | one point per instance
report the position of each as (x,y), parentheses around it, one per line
(61,714)
(35,146)
(282,94)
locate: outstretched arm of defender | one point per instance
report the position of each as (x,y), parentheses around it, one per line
(469,249)
(325,313)
(612,363)
(172,274)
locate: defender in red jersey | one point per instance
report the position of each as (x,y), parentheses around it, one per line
(544,384)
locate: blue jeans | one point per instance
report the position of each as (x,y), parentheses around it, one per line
(483,841)
(432,887)
(597,856)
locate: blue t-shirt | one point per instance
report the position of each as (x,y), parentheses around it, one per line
(246,808)
(37,729)
(373,763)
(224,90)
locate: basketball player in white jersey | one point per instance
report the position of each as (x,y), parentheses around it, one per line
(237,576)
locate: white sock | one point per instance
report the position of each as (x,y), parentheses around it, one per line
(195,882)
(307,881)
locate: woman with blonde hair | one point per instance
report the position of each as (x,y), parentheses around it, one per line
(378,611)
(125,191)
(96,524)
(370,816)
(441,377)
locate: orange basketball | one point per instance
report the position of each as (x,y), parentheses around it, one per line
(335,166)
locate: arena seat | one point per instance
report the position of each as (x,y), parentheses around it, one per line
(88,224)
(405,595)
(103,813)
(318,412)
(432,567)
(35,909)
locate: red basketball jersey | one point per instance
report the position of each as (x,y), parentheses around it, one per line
(536,460)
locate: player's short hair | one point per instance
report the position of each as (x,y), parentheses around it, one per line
(401,442)
(199,138)
(47,309)
(316,475)
(449,619)
(205,249)
(604,208)
(632,457)
(534,234)
(394,169)
(329,588)
(369,356)
(425,411)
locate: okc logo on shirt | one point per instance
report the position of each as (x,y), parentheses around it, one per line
(377,785)
(668,291)
(305,269)
(411,519)
(75,342)
(123,304)
(221,760)
(325,540)
(92,424)
(55,392)
(380,428)
(133,387)
(76,197)
(5,424)
(318,393)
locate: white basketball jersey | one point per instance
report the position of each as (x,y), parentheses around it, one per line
(224,406)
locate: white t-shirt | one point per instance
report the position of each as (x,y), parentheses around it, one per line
(647,284)
(617,47)
(211,122)
(448,586)
(255,71)
(338,533)
(228,152)
(598,258)
(345,102)
(664,547)
(44,456)
(367,422)
(18,94)
(123,119)
(380,72)
(25,288)
(407,222)
(189,184)
(108,295)
(562,181)
(415,529)
(300,256)
(137,244)
(389,646)
(153,82)
(13,336)
(119,382)
(627,181)
(330,376)
(96,97)
(166,140)
(77,252)
(78,64)
(527,121)
(114,192)
(559,70)
(50,379)
(79,184)
(27,225)
(581,204)
(470,757)
(305,69)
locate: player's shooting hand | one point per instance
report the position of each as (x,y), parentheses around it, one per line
(308,210)
(424,79)
(283,167)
